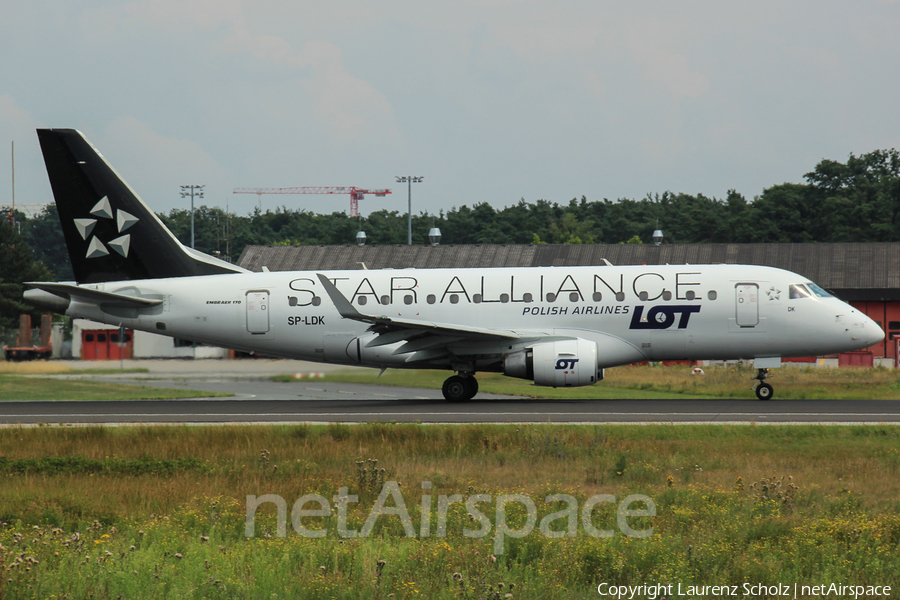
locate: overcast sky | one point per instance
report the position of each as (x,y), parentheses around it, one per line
(491,101)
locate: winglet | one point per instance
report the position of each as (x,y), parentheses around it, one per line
(343,305)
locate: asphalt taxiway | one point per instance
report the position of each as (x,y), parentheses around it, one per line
(433,410)
(308,399)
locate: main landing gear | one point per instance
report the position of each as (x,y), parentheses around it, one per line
(764,391)
(459,388)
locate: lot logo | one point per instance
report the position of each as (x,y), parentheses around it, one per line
(662,317)
(566,363)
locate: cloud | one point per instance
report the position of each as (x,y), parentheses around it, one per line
(349,106)
(150,161)
(653,46)
(18,125)
(14,120)
(187,14)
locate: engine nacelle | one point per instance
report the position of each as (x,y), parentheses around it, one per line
(566,363)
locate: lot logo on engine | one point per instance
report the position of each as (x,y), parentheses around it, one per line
(662,317)
(566,363)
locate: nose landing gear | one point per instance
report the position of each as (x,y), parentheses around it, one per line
(764,391)
(460,388)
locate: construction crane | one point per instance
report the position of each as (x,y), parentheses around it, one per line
(356,194)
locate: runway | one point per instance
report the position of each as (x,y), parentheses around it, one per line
(259,400)
(414,410)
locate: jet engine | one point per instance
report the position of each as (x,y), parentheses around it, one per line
(565,363)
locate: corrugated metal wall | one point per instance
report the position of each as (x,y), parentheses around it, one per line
(850,268)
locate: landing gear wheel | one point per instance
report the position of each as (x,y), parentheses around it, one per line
(764,391)
(455,389)
(459,388)
(471,385)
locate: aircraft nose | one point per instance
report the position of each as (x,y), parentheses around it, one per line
(874,333)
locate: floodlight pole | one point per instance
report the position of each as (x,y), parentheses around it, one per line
(409,180)
(191,191)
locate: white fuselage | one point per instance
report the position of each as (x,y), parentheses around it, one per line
(633,313)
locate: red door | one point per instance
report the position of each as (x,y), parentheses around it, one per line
(103,344)
(119,349)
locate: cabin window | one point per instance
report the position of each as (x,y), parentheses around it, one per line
(407,299)
(476,298)
(316,301)
(573,297)
(667,295)
(598,296)
(528,298)
(362,301)
(690,295)
(551,297)
(385,299)
(798,291)
(430,299)
(711,295)
(620,296)
(643,296)
(454,298)
(504,298)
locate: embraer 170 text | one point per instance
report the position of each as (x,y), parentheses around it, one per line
(557,326)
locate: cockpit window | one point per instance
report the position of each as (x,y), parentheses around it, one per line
(818,291)
(799,291)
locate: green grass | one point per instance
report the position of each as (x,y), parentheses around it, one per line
(160,512)
(110,371)
(492,383)
(664,382)
(45,388)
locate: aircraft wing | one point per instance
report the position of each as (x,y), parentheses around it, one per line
(84,294)
(419,335)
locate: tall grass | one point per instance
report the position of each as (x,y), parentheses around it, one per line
(159,512)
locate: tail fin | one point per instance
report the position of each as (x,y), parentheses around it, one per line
(110,233)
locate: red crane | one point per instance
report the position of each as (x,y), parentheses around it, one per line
(356,194)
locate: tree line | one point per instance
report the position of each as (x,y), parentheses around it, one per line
(854,201)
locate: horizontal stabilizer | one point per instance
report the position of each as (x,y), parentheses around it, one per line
(92,296)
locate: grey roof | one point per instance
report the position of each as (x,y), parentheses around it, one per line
(869,271)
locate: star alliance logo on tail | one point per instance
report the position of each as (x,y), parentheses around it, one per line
(103,210)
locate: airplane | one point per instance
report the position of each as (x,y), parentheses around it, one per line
(555,326)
